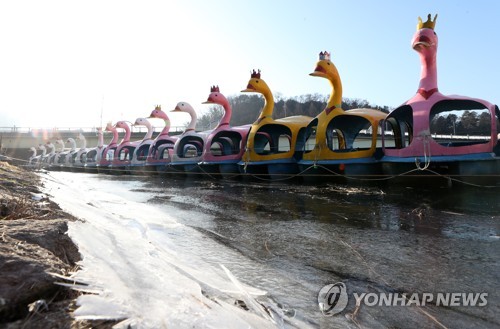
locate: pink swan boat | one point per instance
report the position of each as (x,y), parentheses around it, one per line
(425,134)
(160,152)
(108,153)
(124,151)
(189,147)
(225,145)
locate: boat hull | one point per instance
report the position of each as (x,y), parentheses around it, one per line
(118,170)
(186,168)
(142,169)
(224,169)
(481,172)
(343,170)
(163,169)
(77,168)
(270,170)
(91,169)
(481,168)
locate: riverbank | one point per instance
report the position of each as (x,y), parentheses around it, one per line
(34,244)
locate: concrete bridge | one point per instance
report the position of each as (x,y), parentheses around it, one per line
(15,142)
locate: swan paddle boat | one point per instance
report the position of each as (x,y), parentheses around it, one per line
(40,158)
(67,156)
(35,160)
(273,146)
(161,151)
(108,154)
(81,155)
(55,162)
(225,145)
(436,134)
(32,160)
(58,147)
(189,147)
(141,152)
(341,143)
(94,154)
(49,156)
(124,152)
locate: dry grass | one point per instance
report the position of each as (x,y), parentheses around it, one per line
(17,190)
(16,207)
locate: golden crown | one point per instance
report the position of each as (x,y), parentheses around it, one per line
(324,56)
(428,24)
(158,107)
(255,75)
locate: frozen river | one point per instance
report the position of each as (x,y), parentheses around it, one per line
(177,252)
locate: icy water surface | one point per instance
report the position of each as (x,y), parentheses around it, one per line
(286,239)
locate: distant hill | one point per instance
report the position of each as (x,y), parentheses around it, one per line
(246,108)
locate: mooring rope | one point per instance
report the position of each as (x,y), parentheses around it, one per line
(427,150)
(171,170)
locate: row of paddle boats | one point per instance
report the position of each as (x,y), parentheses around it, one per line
(356,144)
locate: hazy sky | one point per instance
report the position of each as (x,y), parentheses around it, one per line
(61,62)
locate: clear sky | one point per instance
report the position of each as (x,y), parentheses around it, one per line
(61,62)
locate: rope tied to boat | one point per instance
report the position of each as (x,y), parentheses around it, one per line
(319,148)
(245,158)
(425,138)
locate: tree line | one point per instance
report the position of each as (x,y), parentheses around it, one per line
(468,123)
(246,108)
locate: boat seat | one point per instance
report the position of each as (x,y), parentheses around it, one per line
(191,148)
(226,145)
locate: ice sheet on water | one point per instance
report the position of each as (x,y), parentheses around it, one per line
(138,259)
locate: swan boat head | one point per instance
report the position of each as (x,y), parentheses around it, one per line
(160,151)
(187,108)
(225,143)
(189,147)
(257,85)
(425,40)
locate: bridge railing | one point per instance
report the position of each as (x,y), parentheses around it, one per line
(66,130)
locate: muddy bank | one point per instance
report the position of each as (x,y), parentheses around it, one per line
(34,244)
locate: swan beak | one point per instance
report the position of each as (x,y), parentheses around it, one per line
(319,71)
(209,100)
(249,89)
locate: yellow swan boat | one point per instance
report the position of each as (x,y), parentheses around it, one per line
(272,144)
(341,142)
